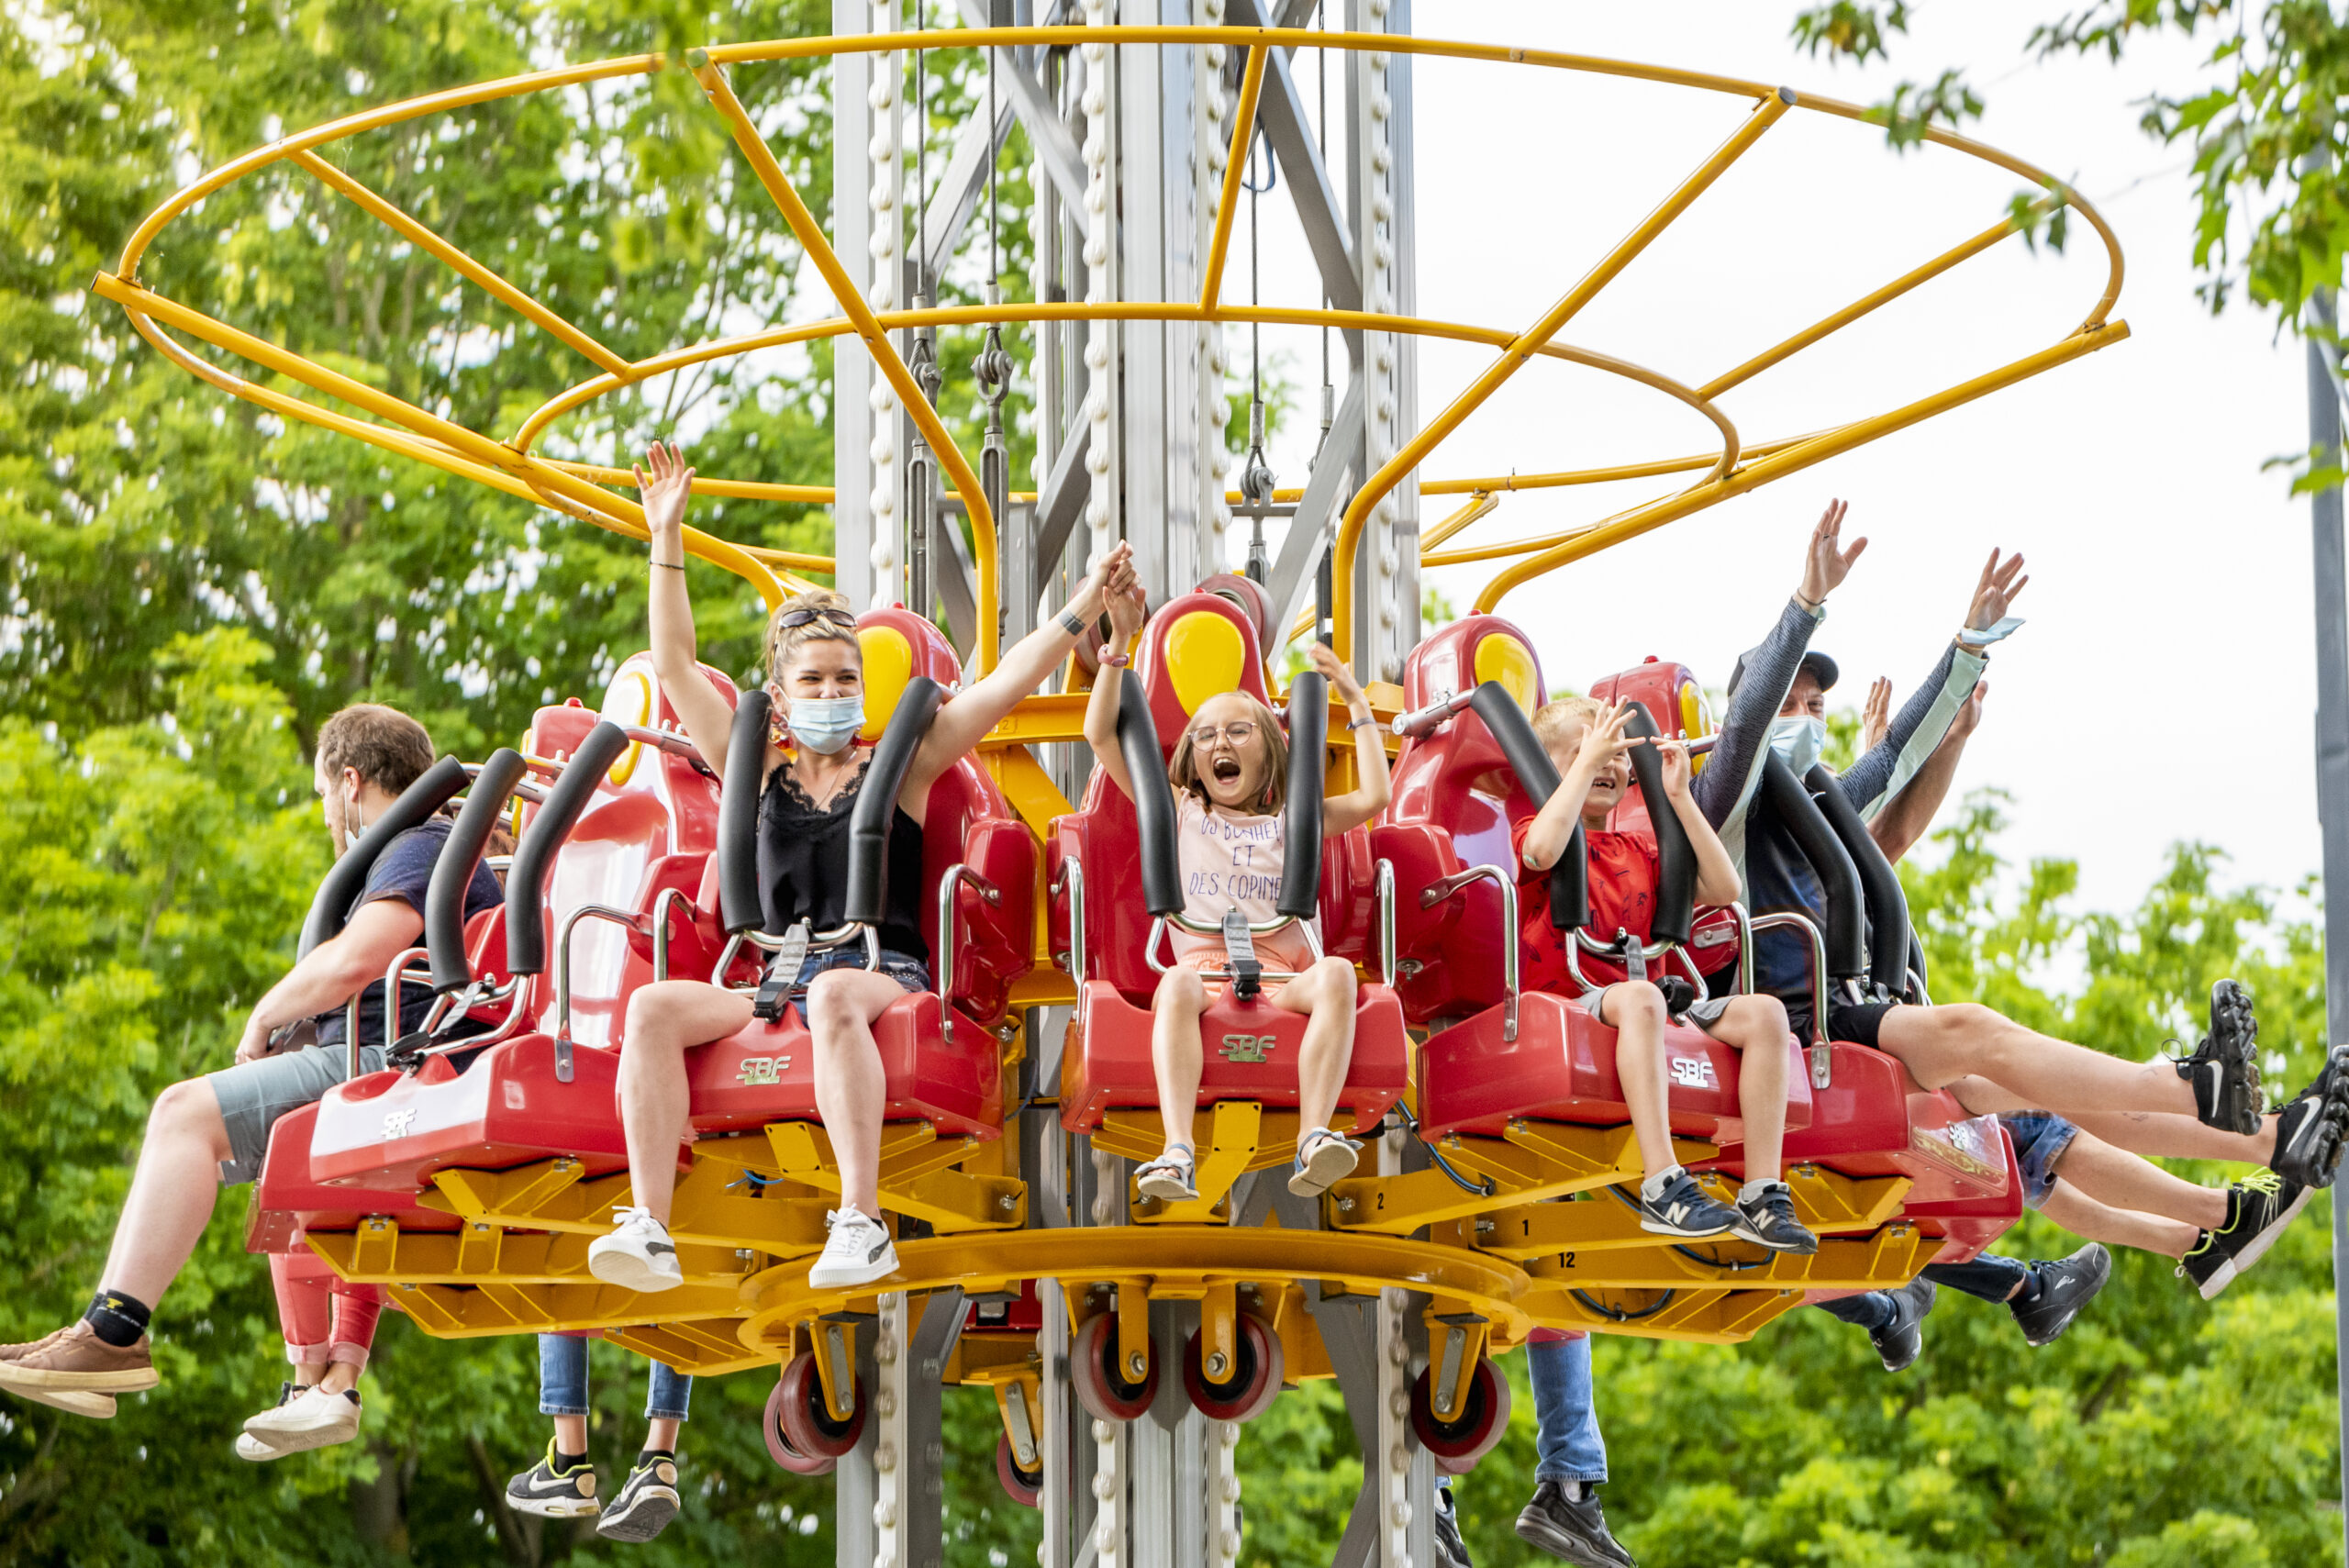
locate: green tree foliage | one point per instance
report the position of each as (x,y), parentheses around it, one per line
(187,586)
(2263,122)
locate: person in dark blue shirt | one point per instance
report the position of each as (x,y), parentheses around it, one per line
(206,1132)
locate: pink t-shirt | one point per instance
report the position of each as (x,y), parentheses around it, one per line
(1233,862)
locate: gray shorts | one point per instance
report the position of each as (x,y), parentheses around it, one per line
(253,1094)
(1704,1014)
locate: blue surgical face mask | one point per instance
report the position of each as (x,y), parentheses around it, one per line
(1801,738)
(826,724)
(353,830)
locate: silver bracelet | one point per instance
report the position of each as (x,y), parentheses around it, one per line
(1358,723)
(1071,623)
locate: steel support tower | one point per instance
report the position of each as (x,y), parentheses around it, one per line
(1131,145)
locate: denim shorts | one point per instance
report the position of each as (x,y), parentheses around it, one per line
(253,1094)
(904,968)
(2041,1138)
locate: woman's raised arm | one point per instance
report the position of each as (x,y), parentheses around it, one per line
(964,721)
(704,712)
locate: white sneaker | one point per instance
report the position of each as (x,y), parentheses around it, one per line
(638,1255)
(312,1419)
(858,1252)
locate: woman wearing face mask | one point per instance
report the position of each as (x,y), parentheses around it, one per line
(812,772)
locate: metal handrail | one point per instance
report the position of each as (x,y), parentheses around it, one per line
(1823,1070)
(391,1004)
(818,942)
(670,897)
(1161,927)
(1072,877)
(1383,891)
(956,875)
(1500,879)
(562,956)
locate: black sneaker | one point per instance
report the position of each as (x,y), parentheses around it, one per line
(1571,1528)
(2066,1286)
(2258,1208)
(552,1494)
(1451,1551)
(646,1501)
(1683,1211)
(1769,1221)
(1899,1342)
(2308,1131)
(2224,1068)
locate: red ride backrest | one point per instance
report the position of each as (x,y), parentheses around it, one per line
(652,824)
(1681,709)
(968,820)
(1454,803)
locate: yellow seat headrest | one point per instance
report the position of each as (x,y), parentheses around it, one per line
(1503,658)
(1205,654)
(888,665)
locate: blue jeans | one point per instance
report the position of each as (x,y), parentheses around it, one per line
(1569,1444)
(904,968)
(563,1382)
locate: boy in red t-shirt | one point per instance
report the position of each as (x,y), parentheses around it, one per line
(1588,743)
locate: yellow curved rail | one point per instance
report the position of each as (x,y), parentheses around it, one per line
(584,492)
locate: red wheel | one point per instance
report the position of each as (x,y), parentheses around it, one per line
(1459,1443)
(1102,1386)
(1026,1487)
(1256,1379)
(779,1446)
(805,1419)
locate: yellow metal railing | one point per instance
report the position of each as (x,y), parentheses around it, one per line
(592,493)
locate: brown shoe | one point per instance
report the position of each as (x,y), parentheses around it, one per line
(77,1359)
(97,1406)
(17,1353)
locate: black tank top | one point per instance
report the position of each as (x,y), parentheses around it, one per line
(803,865)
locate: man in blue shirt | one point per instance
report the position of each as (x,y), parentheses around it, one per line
(206,1132)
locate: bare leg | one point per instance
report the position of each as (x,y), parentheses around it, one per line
(2122,1180)
(2157,1135)
(571,1434)
(852,1091)
(2093,1221)
(1945,1043)
(171,1191)
(1635,1010)
(665,1020)
(1175,1050)
(661,1432)
(339,1377)
(1757,1026)
(1325,993)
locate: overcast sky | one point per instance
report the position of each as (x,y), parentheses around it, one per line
(2170,602)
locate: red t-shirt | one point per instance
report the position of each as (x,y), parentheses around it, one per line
(1623,872)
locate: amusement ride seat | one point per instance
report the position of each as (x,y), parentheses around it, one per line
(1116,892)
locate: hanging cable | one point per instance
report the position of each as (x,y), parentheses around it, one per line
(992,369)
(922,463)
(1256,480)
(1322,148)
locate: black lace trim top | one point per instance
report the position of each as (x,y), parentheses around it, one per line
(803,865)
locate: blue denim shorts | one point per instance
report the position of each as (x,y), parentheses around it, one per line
(904,968)
(2041,1138)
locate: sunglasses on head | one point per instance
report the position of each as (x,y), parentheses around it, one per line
(790,618)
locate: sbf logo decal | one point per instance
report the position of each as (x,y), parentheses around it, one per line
(1694,1072)
(396,1123)
(756,1070)
(1248,1048)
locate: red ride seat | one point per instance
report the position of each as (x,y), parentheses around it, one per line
(1198,645)
(647,828)
(942,1061)
(1456,803)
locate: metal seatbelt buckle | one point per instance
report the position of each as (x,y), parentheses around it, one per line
(1240,956)
(781,978)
